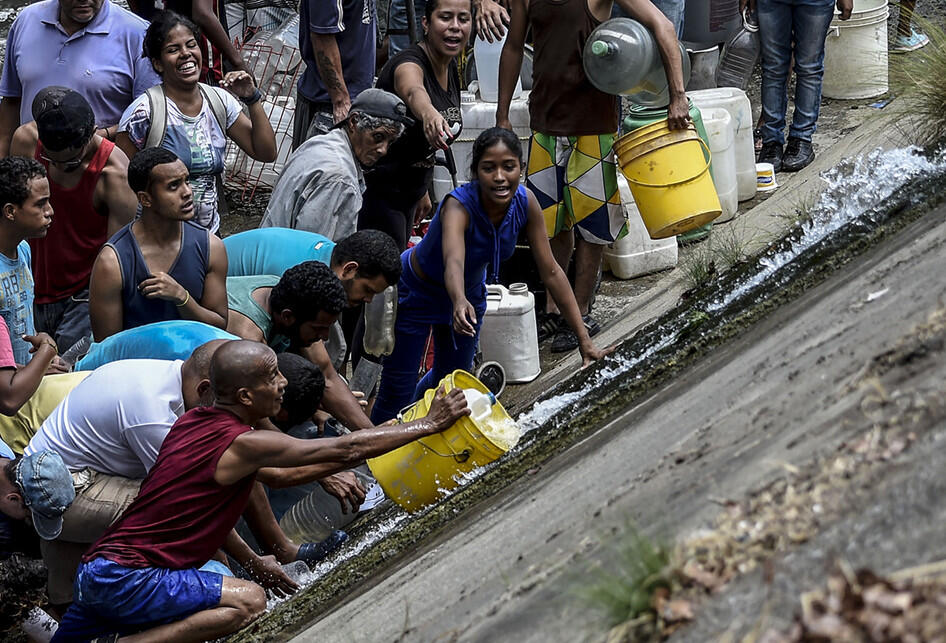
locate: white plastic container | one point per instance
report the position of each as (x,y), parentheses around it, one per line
(855,53)
(509,335)
(486,55)
(318,514)
(719,130)
(479,115)
(735,101)
(637,254)
(480,404)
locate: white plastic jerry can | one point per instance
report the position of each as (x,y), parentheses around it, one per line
(719,130)
(509,335)
(734,101)
(636,254)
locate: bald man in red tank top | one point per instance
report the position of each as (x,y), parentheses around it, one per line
(143,575)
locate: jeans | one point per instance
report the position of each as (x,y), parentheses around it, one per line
(673,9)
(399,385)
(397,22)
(67,320)
(787,28)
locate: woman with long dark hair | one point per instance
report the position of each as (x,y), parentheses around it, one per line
(444,277)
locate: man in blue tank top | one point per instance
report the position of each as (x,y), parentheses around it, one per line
(161,266)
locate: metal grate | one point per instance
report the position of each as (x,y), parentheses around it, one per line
(276,64)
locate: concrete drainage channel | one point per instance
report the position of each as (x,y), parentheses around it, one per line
(840,230)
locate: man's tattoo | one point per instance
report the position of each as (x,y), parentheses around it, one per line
(327,72)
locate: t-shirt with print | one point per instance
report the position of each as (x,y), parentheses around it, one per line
(16,300)
(198,141)
(404,171)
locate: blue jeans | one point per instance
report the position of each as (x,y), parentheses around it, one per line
(399,385)
(787,28)
(397,21)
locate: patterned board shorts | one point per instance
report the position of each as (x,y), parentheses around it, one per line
(574,179)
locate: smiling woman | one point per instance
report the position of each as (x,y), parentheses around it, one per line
(197,118)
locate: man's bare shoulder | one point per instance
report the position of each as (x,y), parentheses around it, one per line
(24,141)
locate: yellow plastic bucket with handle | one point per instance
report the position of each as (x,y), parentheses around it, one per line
(668,172)
(420,472)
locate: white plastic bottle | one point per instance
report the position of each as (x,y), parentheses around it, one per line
(486,55)
(481,404)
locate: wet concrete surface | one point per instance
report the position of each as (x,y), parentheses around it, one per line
(505,571)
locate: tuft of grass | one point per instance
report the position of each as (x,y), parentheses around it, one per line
(727,246)
(918,77)
(625,589)
(803,207)
(697,266)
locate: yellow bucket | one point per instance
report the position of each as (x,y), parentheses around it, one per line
(418,473)
(668,173)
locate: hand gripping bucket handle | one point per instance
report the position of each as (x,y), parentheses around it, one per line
(460,457)
(675,136)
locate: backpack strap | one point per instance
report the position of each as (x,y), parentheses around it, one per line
(159,112)
(159,116)
(216,105)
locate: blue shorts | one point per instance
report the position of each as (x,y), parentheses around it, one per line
(111,598)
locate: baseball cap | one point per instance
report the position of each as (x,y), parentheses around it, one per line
(64,118)
(47,489)
(377,102)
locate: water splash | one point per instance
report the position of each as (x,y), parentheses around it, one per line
(349,550)
(852,191)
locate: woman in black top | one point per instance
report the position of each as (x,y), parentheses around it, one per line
(425,77)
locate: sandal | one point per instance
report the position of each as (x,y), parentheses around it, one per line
(566,340)
(547,324)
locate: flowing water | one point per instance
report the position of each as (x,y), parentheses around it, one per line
(860,197)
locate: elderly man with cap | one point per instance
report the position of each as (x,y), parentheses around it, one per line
(321,186)
(36,487)
(89,192)
(92,46)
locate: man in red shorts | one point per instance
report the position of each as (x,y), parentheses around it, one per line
(142,575)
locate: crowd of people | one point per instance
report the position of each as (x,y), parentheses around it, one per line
(153,375)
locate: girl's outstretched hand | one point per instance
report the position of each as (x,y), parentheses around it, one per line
(592,353)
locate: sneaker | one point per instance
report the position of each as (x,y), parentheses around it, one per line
(798,154)
(914,41)
(314,552)
(548,324)
(772,153)
(566,340)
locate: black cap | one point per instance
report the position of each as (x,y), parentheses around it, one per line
(64,118)
(377,102)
